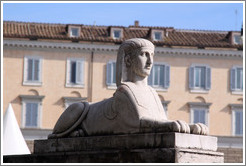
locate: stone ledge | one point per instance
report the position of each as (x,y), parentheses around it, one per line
(155,155)
(126,142)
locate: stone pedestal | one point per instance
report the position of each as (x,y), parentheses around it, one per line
(134,148)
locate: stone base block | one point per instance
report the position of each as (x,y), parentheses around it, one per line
(162,155)
(133,148)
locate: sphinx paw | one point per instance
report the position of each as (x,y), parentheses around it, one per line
(180,126)
(199,128)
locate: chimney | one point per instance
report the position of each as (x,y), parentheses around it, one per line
(136,23)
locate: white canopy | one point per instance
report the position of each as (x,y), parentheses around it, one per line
(13,140)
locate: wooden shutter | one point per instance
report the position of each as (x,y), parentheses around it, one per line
(79,72)
(233,79)
(29,69)
(166,76)
(191,77)
(113,76)
(238,122)
(150,78)
(36,69)
(34,114)
(109,81)
(31,115)
(28,114)
(208,78)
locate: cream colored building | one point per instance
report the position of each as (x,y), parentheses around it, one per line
(197,74)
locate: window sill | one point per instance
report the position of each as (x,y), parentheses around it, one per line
(31,127)
(113,87)
(74,86)
(32,83)
(237,92)
(117,38)
(199,91)
(160,89)
(237,135)
(157,40)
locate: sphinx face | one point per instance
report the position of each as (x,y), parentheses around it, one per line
(143,61)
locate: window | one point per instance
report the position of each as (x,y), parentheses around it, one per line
(237,39)
(199,116)
(75,72)
(160,76)
(237,119)
(31,111)
(199,77)
(32,70)
(74,31)
(31,114)
(199,112)
(111,73)
(236,79)
(116,33)
(157,35)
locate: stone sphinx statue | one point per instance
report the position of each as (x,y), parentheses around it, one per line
(134,108)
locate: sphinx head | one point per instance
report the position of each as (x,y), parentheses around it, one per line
(135,58)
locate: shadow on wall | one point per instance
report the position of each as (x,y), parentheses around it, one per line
(187,80)
(226,109)
(229,81)
(59,102)
(16,100)
(185,108)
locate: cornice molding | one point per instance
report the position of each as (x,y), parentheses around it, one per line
(114,48)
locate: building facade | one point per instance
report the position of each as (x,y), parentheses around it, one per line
(46,67)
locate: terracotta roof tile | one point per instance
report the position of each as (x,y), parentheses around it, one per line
(172,36)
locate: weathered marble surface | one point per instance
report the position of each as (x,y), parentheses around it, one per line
(132,148)
(127,141)
(134,108)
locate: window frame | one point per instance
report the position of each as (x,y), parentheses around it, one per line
(70,31)
(207,83)
(110,84)
(165,85)
(25,71)
(234,39)
(236,108)
(236,90)
(116,29)
(31,99)
(157,31)
(68,73)
(199,106)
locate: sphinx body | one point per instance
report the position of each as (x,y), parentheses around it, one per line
(134,108)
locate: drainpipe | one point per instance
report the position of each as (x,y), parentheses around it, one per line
(90,72)
(90,82)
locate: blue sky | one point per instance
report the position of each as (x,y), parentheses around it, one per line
(198,16)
